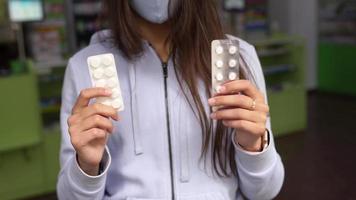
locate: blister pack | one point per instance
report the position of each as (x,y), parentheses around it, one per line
(224,62)
(103,73)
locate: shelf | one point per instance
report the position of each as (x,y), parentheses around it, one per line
(87,9)
(50,64)
(273,52)
(278,69)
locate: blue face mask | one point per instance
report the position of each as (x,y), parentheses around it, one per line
(155,11)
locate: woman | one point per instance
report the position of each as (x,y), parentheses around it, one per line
(166,144)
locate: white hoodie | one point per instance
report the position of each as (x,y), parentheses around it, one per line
(137,160)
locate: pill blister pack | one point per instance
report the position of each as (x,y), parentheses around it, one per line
(224,63)
(103,73)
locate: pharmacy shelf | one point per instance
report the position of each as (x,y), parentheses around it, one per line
(282,60)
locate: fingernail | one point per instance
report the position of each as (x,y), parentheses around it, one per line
(211,101)
(225,123)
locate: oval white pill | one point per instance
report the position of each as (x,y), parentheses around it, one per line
(232,63)
(219,50)
(219,77)
(94,62)
(117,104)
(107,61)
(232,49)
(232,76)
(115,93)
(112,83)
(100,83)
(98,74)
(107,103)
(219,63)
(109,72)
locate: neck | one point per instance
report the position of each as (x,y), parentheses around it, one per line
(156,35)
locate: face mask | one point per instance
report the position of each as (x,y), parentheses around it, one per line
(155,11)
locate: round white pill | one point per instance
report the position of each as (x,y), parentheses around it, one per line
(115,93)
(232,63)
(232,49)
(94,62)
(117,104)
(106,60)
(100,83)
(112,83)
(98,74)
(232,76)
(217,88)
(219,50)
(109,72)
(219,77)
(219,63)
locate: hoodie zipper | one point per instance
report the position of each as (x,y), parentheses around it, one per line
(165,75)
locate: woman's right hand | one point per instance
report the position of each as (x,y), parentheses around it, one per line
(89,126)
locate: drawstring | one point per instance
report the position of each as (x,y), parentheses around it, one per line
(134,111)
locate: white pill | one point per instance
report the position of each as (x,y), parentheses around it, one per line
(219,63)
(107,61)
(219,77)
(232,63)
(117,103)
(109,72)
(112,83)
(218,88)
(219,50)
(95,62)
(115,93)
(232,49)
(98,74)
(100,83)
(107,102)
(232,76)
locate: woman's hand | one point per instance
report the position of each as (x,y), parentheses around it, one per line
(89,126)
(243,108)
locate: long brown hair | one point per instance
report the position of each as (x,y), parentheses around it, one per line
(195,23)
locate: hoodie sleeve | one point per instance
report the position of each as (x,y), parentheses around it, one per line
(73,182)
(260,174)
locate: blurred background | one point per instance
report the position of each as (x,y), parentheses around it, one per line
(307,49)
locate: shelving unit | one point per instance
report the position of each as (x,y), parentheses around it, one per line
(47,40)
(83,21)
(337,46)
(283,63)
(30,134)
(256,22)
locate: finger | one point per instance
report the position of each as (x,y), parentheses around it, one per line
(246,126)
(239,114)
(243,86)
(240,101)
(100,109)
(87,136)
(96,121)
(87,94)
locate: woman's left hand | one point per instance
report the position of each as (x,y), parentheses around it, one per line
(243,108)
